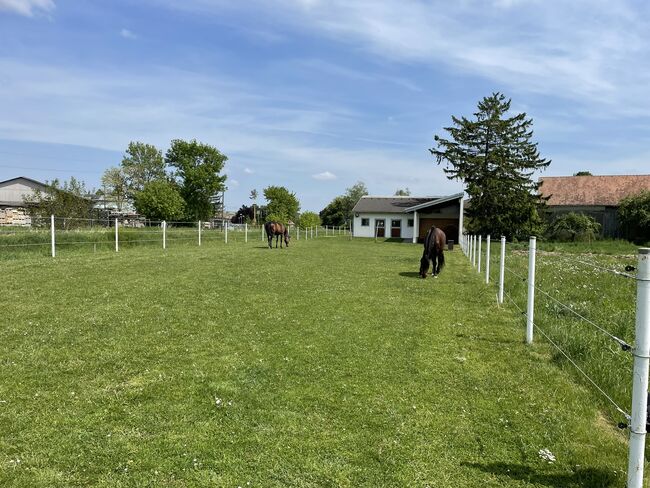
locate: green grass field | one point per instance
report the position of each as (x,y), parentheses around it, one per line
(326,364)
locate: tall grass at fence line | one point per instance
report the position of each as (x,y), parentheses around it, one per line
(604,298)
(600,246)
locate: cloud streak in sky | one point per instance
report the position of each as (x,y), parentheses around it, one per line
(27,8)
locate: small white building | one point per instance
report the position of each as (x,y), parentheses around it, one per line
(408,218)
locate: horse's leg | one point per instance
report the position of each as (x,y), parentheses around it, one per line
(434,262)
(276,241)
(270,239)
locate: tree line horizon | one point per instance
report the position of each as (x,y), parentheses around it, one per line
(492,153)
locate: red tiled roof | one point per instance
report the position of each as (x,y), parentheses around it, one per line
(592,190)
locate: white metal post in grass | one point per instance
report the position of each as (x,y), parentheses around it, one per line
(478,256)
(199,232)
(262,232)
(473,250)
(117,239)
(487,259)
(316,231)
(246,232)
(530,309)
(641,354)
(225,233)
(53,237)
(311,232)
(297,233)
(164,226)
(502,268)
(305,233)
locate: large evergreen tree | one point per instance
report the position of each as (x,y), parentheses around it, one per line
(494,156)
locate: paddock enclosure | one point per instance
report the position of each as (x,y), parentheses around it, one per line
(196,366)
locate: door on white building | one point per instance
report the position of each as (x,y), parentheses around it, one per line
(380,228)
(396,228)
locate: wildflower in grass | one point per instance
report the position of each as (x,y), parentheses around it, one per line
(546,455)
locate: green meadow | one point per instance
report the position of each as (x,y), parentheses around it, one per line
(329,363)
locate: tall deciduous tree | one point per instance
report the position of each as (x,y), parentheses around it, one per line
(339,210)
(197,169)
(160,200)
(494,156)
(282,204)
(142,164)
(116,186)
(309,219)
(403,192)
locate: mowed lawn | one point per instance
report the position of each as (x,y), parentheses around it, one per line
(326,364)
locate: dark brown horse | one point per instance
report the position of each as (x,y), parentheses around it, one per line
(434,244)
(276,229)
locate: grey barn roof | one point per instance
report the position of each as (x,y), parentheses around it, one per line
(395,204)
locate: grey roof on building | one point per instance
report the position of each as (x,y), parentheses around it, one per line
(24,178)
(395,204)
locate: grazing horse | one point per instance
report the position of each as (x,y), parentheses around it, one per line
(434,244)
(276,229)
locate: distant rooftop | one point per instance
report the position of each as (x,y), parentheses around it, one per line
(394,204)
(592,190)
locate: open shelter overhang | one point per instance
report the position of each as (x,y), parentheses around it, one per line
(434,203)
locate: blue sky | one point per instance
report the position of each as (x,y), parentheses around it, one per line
(315,95)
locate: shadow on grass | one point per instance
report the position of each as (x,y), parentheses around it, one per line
(489,340)
(580,478)
(410,274)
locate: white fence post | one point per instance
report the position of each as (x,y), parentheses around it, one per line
(53,238)
(164,226)
(262,232)
(297,233)
(225,234)
(474,251)
(641,354)
(502,268)
(530,309)
(246,232)
(311,232)
(478,268)
(487,259)
(199,232)
(316,231)
(117,239)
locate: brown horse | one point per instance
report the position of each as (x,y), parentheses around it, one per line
(276,229)
(434,244)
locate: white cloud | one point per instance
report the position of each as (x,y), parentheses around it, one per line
(248,171)
(325,176)
(581,50)
(27,7)
(232,183)
(127,34)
